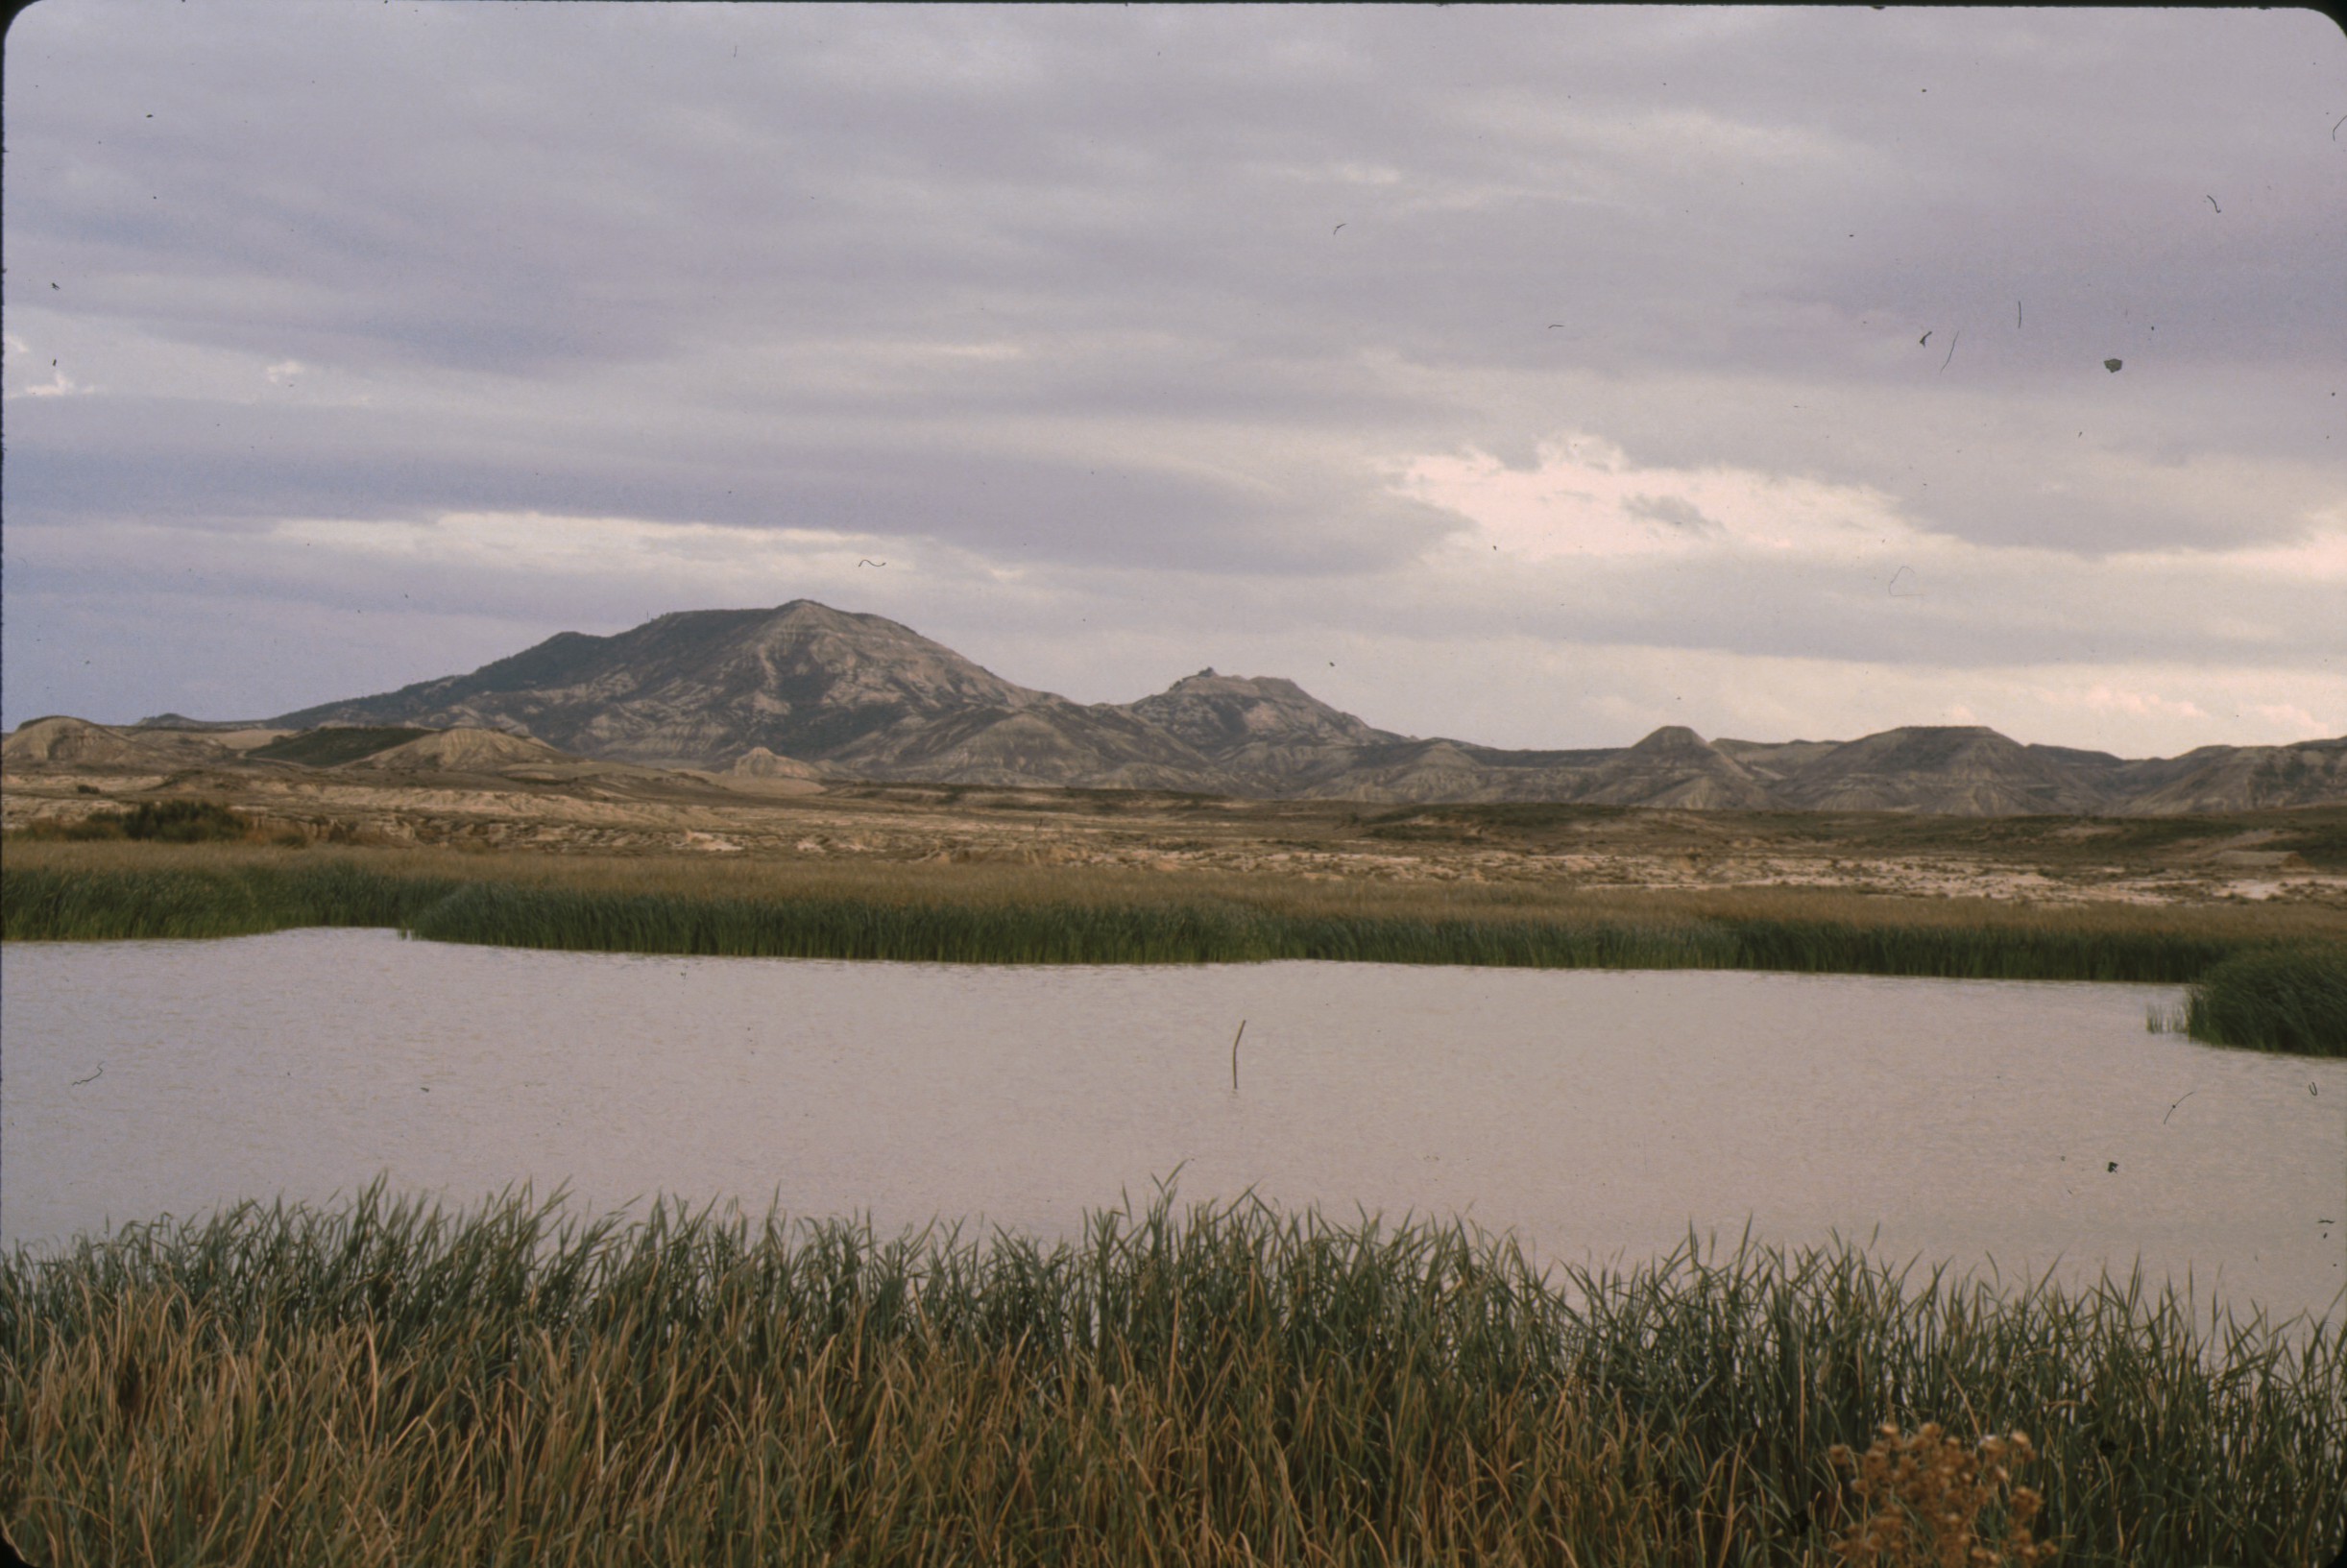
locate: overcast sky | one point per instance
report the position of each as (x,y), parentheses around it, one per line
(1531,376)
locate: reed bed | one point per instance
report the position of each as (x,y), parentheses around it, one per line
(2289,999)
(995,914)
(382,1381)
(128,902)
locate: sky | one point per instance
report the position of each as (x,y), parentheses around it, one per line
(1531,376)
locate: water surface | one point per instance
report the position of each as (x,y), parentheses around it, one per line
(1598,1114)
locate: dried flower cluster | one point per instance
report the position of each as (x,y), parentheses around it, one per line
(1924,1495)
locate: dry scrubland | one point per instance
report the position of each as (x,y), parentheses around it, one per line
(612,830)
(2289,857)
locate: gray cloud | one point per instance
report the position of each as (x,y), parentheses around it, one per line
(1088,291)
(1672,512)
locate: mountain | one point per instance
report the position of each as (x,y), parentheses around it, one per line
(60,740)
(1675,766)
(804,688)
(1953,770)
(1050,740)
(1268,735)
(2240,778)
(702,687)
(64,744)
(859,693)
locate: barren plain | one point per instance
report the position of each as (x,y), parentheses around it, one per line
(604,810)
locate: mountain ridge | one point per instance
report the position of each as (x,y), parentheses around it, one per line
(860,695)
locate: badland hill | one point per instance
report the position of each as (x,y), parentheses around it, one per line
(806,689)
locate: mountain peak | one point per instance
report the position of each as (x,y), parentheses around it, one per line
(1670,737)
(1258,728)
(1269,688)
(703,687)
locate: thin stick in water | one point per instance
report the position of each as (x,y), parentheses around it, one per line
(1234,1056)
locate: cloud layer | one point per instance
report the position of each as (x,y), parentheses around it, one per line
(1533,375)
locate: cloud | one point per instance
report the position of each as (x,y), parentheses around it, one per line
(1591,543)
(1594,327)
(58,385)
(1672,512)
(1584,498)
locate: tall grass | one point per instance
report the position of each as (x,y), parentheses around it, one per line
(1029,915)
(1238,931)
(2289,999)
(1204,931)
(383,1383)
(46,904)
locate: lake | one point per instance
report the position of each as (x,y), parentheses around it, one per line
(1597,1113)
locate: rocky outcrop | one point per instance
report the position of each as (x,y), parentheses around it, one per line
(62,742)
(1047,741)
(758,762)
(461,750)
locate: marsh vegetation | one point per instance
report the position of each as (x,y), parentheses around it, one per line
(380,1382)
(2288,999)
(995,913)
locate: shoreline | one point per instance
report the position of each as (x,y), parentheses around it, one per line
(1010,913)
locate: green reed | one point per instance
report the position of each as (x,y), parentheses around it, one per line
(382,1381)
(2288,999)
(1039,932)
(51,903)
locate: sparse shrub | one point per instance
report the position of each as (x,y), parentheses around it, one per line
(166,822)
(184,821)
